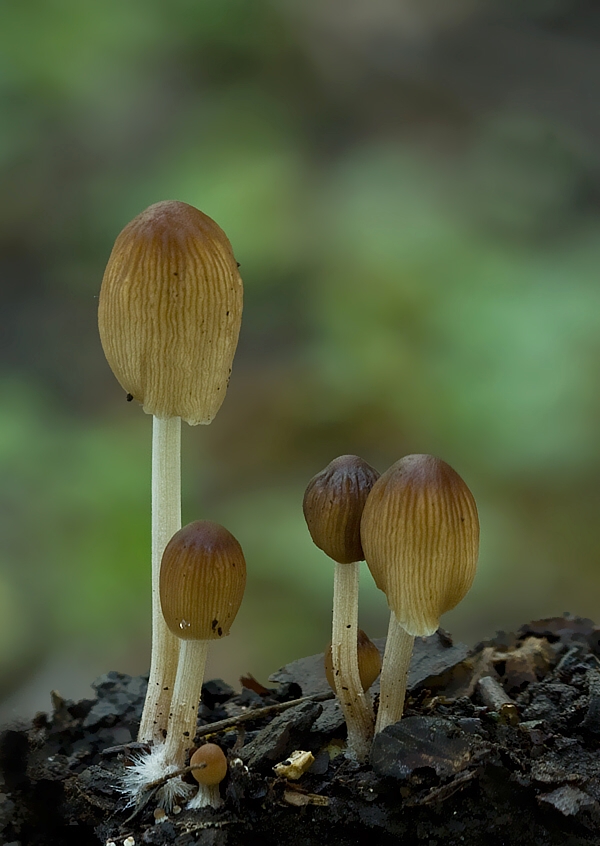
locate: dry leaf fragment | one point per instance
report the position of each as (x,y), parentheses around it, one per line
(300,800)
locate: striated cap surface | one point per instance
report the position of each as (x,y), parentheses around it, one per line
(202,581)
(333,505)
(170,310)
(420,534)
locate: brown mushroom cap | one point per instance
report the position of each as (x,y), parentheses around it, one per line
(202,581)
(215,762)
(369,661)
(170,310)
(333,505)
(420,534)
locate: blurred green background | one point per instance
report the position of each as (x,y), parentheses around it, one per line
(413,192)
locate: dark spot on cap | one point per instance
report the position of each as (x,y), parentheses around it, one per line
(129,397)
(220,631)
(214,624)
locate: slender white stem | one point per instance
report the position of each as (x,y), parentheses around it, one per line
(208,795)
(354,702)
(166,520)
(186,699)
(394,674)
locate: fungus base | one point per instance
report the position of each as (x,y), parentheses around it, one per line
(455,770)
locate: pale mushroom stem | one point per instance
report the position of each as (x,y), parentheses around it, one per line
(394,674)
(166,520)
(208,796)
(354,702)
(186,699)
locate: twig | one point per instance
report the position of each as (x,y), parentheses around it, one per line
(259,713)
(152,785)
(232,722)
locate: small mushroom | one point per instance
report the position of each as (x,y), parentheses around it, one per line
(202,581)
(169,316)
(420,534)
(209,769)
(369,662)
(333,505)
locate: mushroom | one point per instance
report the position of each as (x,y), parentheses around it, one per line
(169,317)
(333,504)
(420,534)
(209,768)
(202,581)
(369,662)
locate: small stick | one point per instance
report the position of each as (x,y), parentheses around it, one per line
(259,713)
(180,772)
(231,722)
(497,699)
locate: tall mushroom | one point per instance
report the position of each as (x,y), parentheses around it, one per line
(169,317)
(333,505)
(420,534)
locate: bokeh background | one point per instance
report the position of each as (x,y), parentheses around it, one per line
(413,192)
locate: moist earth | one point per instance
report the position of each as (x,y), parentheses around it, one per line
(499,745)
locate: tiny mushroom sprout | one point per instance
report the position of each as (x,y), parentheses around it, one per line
(420,534)
(169,317)
(202,581)
(209,768)
(333,505)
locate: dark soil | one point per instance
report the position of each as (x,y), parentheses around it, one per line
(499,745)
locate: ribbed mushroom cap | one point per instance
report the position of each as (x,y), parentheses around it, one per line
(170,310)
(333,505)
(215,768)
(202,581)
(420,534)
(369,661)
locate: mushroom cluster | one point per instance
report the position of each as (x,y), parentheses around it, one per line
(418,530)
(169,317)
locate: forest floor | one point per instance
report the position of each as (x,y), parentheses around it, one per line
(500,745)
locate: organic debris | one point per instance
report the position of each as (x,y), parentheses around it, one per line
(499,745)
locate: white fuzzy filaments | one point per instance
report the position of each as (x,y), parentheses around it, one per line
(147,768)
